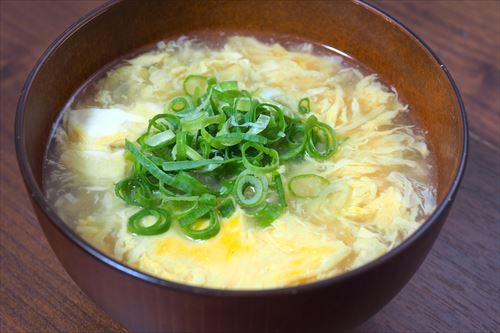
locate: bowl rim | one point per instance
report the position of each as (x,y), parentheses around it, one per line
(39,198)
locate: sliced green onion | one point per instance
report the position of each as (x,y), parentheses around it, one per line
(277,123)
(160,139)
(193,154)
(211,140)
(162,224)
(321,140)
(270,167)
(147,164)
(192,198)
(226,208)
(217,119)
(190,185)
(210,231)
(226,188)
(307,186)
(268,214)
(135,192)
(180,207)
(181,146)
(232,139)
(204,147)
(208,199)
(163,189)
(193,122)
(227,86)
(304,105)
(251,190)
(163,122)
(296,138)
(243,104)
(211,81)
(180,103)
(195,85)
(259,125)
(188,165)
(198,211)
(280,191)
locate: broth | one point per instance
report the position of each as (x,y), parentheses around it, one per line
(367,197)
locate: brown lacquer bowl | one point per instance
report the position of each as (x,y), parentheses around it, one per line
(144,303)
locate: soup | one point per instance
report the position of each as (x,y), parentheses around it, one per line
(239,164)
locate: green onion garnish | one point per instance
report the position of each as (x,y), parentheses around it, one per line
(227,208)
(160,139)
(162,224)
(268,214)
(195,85)
(243,104)
(322,141)
(307,186)
(304,105)
(208,232)
(254,164)
(278,184)
(250,190)
(187,165)
(215,148)
(180,146)
(227,85)
(163,122)
(180,103)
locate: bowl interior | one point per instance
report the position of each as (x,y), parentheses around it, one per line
(354,28)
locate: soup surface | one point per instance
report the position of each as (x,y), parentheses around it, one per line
(369,187)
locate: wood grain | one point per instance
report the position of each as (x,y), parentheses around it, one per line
(457,288)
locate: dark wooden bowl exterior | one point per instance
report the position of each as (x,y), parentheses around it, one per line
(144,303)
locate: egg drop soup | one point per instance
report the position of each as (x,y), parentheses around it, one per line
(239,164)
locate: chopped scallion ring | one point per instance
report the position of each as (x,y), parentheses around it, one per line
(271,166)
(251,190)
(193,230)
(268,214)
(226,208)
(307,186)
(321,141)
(160,139)
(304,106)
(180,103)
(243,104)
(227,86)
(161,225)
(195,85)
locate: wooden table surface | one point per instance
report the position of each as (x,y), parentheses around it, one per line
(455,290)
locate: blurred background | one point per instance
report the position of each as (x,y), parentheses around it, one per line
(455,290)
